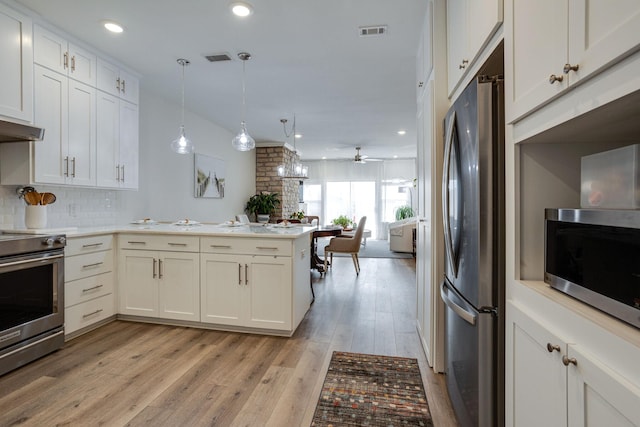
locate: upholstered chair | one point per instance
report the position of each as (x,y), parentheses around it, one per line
(346,245)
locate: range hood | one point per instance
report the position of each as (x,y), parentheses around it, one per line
(19,132)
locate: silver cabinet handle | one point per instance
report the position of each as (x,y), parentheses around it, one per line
(133,242)
(122,167)
(96,264)
(569,67)
(154,268)
(92,288)
(160,269)
(66,166)
(553,78)
(73,63)
(246,274)
(240,274)
(267,248)
(84,316)
(177,244)
(566,361)
(65,60)
(118,84)
(118,173)
(73,161)
(123,85)
(464,64)
(221,246)
(553,347)
(92,245)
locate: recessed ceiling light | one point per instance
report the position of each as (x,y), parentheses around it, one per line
(113,27)
(324,157)
(402,132)
(395,156)
(241,9)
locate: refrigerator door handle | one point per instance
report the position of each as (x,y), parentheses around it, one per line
(448,239)
(468,316)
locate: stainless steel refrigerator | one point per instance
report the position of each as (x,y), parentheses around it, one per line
(473,286)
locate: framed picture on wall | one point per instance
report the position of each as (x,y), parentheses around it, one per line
(209,177)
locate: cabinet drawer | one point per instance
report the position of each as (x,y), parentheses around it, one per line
(85,245)
(174,243)
(82,290)
(234,245)
(81,266)
(88,313)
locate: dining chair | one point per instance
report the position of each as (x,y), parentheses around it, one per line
(346,245)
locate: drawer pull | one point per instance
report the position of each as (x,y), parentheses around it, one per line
(133,242)
(240,274)
(553,78)
(93,313)
(552,347)
(92,245)
(95,264)
(566,361)
(267,248)
(177,244)
(92,288)
(221,246)
(246,274)
(154,268)
(160,269)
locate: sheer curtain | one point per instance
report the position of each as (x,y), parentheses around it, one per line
(374,189)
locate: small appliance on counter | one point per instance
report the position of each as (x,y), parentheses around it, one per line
(594,255)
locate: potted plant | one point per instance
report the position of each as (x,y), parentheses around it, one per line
(404,212)
(343,221)
(297,215)
(262,205)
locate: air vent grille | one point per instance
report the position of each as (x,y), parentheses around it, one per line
(217,57)
(377,30)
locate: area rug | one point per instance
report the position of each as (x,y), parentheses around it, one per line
(369,390)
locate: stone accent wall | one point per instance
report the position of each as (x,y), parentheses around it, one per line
(267,160)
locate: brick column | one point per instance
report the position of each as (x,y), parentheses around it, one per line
(267,179)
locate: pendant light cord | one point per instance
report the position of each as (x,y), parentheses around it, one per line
(244,90)
(183,65)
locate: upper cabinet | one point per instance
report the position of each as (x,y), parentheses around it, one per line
(117,82)
(579,39)
(56,53)
(470,25)
(16,66)
(424,57)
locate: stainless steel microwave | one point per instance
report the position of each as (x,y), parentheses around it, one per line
(594,256)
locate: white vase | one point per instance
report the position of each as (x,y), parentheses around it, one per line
(35,216)
(262,218)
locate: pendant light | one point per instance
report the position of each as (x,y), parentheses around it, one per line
(182,144)
(298,170)
(243,141)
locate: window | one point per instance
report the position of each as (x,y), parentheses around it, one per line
(353,199)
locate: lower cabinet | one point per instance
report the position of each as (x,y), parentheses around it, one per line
(159,284)
(553,381)
(89,283)
(246,290)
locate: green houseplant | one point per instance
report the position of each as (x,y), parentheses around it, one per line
(262,204)
(297,215)
(404,212)
(342,221)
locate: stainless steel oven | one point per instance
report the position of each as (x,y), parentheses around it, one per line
(31,297)
(594,256)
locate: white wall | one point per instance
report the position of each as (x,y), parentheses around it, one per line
(166,179)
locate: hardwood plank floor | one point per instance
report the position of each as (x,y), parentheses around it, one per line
(135,374)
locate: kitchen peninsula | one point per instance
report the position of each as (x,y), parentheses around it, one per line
(247,278)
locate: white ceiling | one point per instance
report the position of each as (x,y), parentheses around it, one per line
(307,59)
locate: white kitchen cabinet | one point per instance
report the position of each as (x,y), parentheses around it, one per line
(552,381)
(424,55)
(117,142)
(470,25)
(579,39)
(56,53)
(159,283)
(16,66)
(247,291)
(67,110)
(89,283)
(117,82)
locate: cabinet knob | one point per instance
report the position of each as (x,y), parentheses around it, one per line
(552,347)
(420,84)
(566,361)
(553,78)
(569,67)
(464,64)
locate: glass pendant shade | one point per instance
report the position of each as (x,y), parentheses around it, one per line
(182,144)
(243,141)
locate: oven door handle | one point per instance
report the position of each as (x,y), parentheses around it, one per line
(30,260)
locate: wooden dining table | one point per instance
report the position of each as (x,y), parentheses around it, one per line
(317,263)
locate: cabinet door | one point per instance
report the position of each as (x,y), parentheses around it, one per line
(600,33)
(82,134)
(269,299)
(598,396)
(128,146)
(50,50)
(484,18)
(179,286)
(16,66)
(82,65)
(51,163)
(138,287)
(108,140)
(107,78)
(536,390)
(534,59)
(221,289)
(129,87)
(456,41)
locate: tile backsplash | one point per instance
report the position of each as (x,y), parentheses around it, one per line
(74,207)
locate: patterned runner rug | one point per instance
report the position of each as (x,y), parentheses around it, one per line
(369,390)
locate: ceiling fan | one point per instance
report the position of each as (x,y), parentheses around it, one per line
(363,158)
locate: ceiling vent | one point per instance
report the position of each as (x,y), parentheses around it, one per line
(378,30)
(217,57)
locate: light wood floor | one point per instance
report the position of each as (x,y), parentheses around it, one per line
(139,374)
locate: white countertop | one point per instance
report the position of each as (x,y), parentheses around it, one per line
(250,230)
